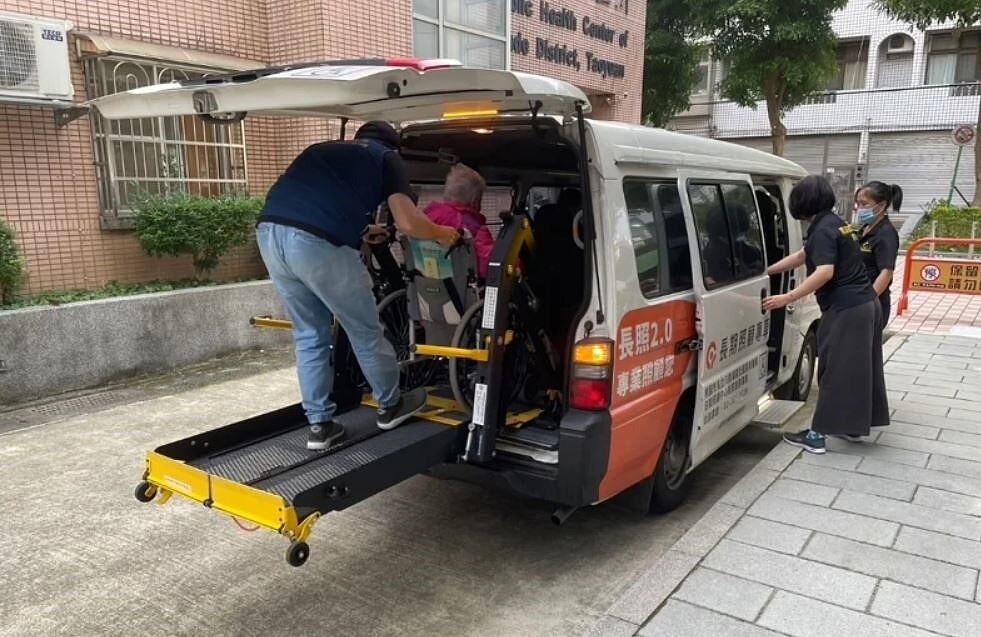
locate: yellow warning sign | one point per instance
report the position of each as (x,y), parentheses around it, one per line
(948,275)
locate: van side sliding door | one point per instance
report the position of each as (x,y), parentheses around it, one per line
(729,264)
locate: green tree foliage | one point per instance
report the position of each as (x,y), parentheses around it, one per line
(670,60)
(11,265)
(926,13)
(778,51)
(204,228)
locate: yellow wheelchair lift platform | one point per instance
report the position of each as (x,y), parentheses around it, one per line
(259,470)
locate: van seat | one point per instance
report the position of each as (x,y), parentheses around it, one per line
(558,269)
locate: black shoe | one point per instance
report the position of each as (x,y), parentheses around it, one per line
(323,435)
(809,441)
(409,404)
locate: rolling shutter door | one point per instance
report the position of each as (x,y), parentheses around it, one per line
(922,164)
(809,150)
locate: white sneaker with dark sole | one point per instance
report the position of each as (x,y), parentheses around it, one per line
(410,403)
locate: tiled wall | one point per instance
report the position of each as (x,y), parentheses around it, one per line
(614,98)
(48,181)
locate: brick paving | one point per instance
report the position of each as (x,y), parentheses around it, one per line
(880,539)
(931,313)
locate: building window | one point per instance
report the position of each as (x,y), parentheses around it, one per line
(471,31)
(953,58)
(895,61)
(704,76)
(853,62)
(159,155)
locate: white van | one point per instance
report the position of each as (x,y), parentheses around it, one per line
(663,350)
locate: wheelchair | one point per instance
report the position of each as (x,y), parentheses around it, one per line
(432,313)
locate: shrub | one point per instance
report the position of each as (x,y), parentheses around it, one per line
(11,265)
(204,228)
(951,221)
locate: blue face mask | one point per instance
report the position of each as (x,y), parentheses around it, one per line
(865,215)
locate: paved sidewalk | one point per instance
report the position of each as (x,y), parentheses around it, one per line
(876,539)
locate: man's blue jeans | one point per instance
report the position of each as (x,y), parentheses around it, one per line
(317,281)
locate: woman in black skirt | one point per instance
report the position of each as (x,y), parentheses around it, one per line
(851,384)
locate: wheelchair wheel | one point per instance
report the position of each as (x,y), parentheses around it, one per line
(396,323)
(346,367)
(463,372)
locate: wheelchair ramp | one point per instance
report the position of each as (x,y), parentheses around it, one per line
(337,479)
(268,454)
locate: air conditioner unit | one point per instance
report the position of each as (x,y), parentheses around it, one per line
(899,45)
(34,64)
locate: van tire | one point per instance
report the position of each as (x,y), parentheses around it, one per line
(671,478)
(799,386)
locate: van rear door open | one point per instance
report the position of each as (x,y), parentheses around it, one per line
(729,265)
(393,90)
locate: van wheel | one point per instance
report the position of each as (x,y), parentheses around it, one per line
(799,385)
(671,478)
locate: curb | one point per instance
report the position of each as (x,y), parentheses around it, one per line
(645,596)
(651,589)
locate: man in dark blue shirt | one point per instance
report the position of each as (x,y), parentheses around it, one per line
(316,216)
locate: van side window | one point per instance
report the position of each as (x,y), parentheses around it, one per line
(744,226)
(713,234)
(659,234)
(644,236)
(675,236)
(729,232)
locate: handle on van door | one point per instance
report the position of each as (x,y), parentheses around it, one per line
(762,298)
(793,284)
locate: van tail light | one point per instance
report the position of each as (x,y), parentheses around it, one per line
(592,374)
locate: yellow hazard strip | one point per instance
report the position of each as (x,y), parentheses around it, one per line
(270,323)
(520,419)
(479,355)
(439,407)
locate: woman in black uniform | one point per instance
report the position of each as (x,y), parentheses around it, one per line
(878,237)
(851,383)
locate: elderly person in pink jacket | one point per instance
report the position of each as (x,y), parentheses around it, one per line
(460,208)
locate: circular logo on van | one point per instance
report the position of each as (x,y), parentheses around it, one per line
(930,272)
(711,355)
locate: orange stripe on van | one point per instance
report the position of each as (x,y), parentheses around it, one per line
(648,376)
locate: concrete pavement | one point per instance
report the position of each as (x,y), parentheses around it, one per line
(80,556)
(878,538)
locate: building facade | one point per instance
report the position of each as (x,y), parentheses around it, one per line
(68,178)
(887,115)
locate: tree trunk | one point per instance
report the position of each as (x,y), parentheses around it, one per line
(773,93)
(977,161)
(778,132)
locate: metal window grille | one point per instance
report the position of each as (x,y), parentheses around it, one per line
(159,155)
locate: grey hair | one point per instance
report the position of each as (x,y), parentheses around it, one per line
(463,185)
